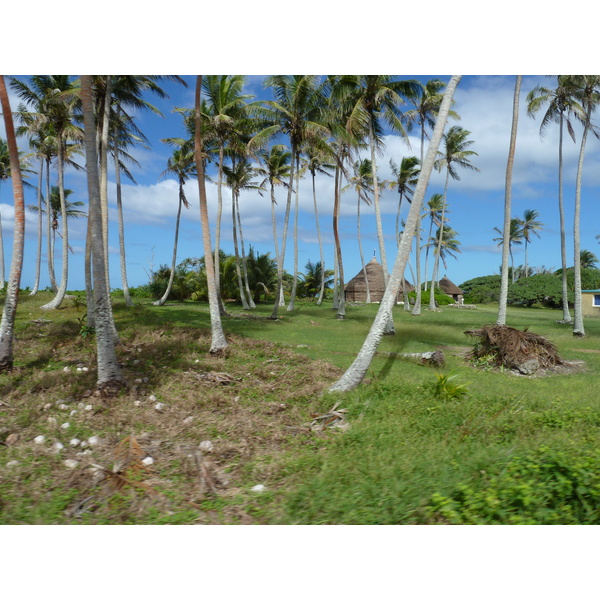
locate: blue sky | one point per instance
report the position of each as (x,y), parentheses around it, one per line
(476,201)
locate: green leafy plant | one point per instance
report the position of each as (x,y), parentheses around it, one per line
(445,388)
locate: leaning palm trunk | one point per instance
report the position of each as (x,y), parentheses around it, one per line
(38,258)
(501,320)
(89,285)
(416,311)
(341,300)
(62,288)
(14,280)
(50,250)
(243,251)
(563,244)
(162,300)
(438,253)
(236,249)
(104,174)
(360,251)
(322,286)
(124,283)
(109,375)
(217,254)
(218,342)
(276,244)
(356,372)
(2,273)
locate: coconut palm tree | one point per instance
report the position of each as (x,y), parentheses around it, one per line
(405,177)
(434,212)
(276,169)
(181,164)
(357,370)
(455,154)
(562,106)
(362,183)
(12,293)
(218,342)
(587,259)
(530,225)
(588,93)
(515,238)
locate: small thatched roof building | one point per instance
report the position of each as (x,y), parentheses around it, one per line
(450,289)
(356,288)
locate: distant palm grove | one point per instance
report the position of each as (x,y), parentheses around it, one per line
(314,127)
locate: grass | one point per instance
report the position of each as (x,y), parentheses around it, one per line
(423,446)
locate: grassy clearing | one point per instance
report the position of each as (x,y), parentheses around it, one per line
(510,450)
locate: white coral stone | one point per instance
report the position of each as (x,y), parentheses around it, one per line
(206,446)
(40,439)
(259,488)
(159,406)
(148,460)
(94,440)
(66,425)
(74,442)
(71,463)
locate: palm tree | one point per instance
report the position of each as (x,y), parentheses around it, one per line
(378,98)
(12,293)
(427,101)
(356,372)
(218,342)
(587,259)
(588,92)
(295,112)
(362,182)
(276,169)
(515,238)
(562,105)
(530,225)
(405,177)
(434,212)
(110,379)
(312,279)
(455,154)
(181,164)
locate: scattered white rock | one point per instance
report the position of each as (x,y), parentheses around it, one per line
(159,406)
(12,463)
(74,442)
(84,369)
(94,440)
(84,444)
(188,420)
(148,461)
(197,360)
(52,420)
(259,488)
(84,453)
(57,446)
(40,439)
(65,425)
(63,406)
(145,380)
(70,463)
(73,412)
(137,403)
(152,398)
(67,370)
(206,446)
(138,380)
(79,369)
(88,407)
(136,361)
(48,406)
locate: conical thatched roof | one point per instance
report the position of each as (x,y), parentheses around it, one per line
(448,287)
(356,288)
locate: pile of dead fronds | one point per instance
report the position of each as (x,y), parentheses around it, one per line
(504,346)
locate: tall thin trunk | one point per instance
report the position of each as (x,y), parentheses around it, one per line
(276,244)
(416,311)
(436,256)
(563,244)
(321,256)
(243,251)
(236,249)
(104,173)
(218,342)
(62,288)
(2,273)
(217,260)
(9,312)
(89,285)
(51,274)
(38,257)
(341,308)
(286,219)
(110,379)
(356,372)
(162,300)
(360,250)
(292,301)
(501,320)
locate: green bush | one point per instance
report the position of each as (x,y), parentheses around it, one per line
(441,299)
(481,289)
(545,290)
(547,487)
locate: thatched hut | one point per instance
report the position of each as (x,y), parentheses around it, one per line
(450,289)
(356,288)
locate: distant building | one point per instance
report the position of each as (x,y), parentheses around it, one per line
(451,290)
(590,303)
(356,289)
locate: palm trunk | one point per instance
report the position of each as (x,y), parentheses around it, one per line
(292,301)
(276,244)
(243,250)
(436,256)
(360,250)
(127,296)
(341,308)
(38,259)
(236,249)
(285,228)
(2,273)
(218,343)
(104,175)
(89,285)
(322,286)
(578,328)
(356,372)
(217,255)
(427,250)
(62,289)
(110,379)
(51,273)
(563,244)
(12,293)
(162,300)
(501,320)
(416,311)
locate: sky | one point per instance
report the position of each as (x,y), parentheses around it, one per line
(476,201)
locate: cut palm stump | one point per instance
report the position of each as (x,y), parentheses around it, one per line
(504,346)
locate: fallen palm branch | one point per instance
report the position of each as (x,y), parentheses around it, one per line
(505,346)
(333,418)
(433,359)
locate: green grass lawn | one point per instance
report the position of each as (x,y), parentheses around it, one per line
(511,449)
